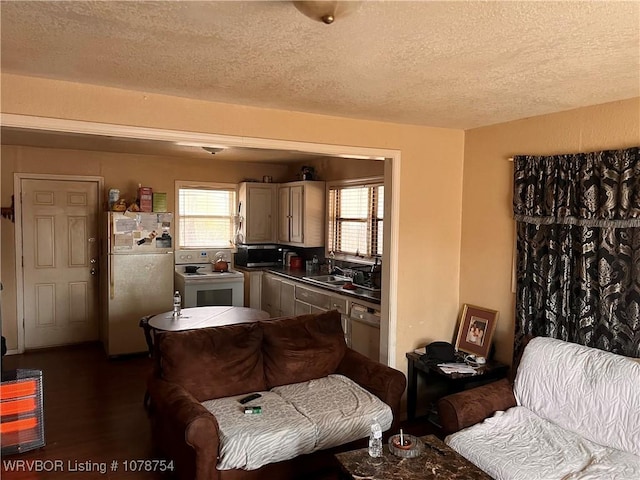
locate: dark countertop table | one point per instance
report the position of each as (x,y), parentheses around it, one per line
(437,461)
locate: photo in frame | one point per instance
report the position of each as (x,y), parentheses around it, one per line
(475,330)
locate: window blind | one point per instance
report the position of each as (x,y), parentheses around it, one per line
(206,217)
(356,220)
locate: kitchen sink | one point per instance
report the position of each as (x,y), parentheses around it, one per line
(333,280)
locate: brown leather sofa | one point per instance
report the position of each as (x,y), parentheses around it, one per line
(197,365)
(463,409)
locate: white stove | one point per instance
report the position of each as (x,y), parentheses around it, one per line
(201,286)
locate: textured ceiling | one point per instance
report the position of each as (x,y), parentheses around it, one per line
(446,64)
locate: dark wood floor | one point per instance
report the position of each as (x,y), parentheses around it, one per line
(94,413)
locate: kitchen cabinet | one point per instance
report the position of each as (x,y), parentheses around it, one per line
(360,319)
(365,331)
(310,300)
(287,299)
(259,204)
(271,294)
(301,213)
(302,308)
(278,296)
(253,289)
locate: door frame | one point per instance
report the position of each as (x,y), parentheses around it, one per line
(17,190)
(391,158)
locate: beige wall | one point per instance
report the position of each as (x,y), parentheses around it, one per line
(430,180)
(487,225)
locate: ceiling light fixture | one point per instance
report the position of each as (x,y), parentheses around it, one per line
(200,144)
(213,150)
(325,11)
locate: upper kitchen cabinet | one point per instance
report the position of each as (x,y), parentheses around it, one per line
(258,208)
(301,213)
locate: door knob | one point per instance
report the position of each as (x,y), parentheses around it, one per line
(93,271)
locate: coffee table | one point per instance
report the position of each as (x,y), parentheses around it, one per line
(437,461)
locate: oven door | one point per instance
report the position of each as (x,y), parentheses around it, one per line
(217,293)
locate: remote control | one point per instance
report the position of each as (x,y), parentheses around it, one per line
(248,398)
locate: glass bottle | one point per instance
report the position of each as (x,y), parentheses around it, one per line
(177,304)
(375,439)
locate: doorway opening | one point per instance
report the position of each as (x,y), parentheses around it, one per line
(160,137)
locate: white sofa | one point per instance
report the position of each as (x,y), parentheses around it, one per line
(576,416)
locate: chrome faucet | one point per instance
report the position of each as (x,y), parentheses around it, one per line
(337,269)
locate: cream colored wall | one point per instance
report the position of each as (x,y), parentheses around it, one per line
(487,224)
(430,178)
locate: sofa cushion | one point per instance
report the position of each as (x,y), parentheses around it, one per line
(340,409)
(588,391)
(519,445)
(198,359)
(297,349)
(250,441)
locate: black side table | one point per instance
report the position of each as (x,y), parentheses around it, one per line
(454,382)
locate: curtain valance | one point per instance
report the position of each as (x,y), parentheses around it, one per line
(597,189)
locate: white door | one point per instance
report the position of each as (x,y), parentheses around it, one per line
(60,248)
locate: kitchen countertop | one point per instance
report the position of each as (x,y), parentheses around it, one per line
(298,274)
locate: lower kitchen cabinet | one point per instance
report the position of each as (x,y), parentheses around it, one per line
(360,321)
(310,300)
(278,296)
(253,289)
(365,330)
(271,294)
(287,299)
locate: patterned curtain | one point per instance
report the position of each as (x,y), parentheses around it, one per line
(578,249)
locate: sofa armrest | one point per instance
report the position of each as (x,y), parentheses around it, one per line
(463,409)
(194,428)
(384,382)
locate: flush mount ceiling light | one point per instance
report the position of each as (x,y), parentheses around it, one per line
(325,11)
(213,150)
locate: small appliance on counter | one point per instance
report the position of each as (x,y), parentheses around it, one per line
(296,262)
(262,255)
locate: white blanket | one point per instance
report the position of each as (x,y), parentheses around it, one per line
(593,393)
(296,419)
(519,445)
(251,441)
(339,408)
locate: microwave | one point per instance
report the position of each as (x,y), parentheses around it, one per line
(258,256)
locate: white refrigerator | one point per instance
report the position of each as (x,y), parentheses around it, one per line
(139,278)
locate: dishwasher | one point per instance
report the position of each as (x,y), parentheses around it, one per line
(365,331)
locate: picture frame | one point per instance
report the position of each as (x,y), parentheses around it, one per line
(475,330)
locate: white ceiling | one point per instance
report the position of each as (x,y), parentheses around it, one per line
(455,64)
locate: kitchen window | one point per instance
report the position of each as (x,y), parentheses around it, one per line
(356,213)
(206,214)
